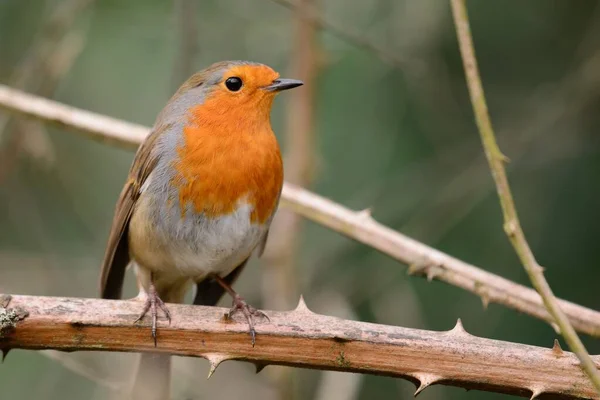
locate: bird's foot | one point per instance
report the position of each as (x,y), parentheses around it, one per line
(240,305)
(152,304)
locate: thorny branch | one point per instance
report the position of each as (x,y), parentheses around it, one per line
(512,225)
(304,339)
(423,260)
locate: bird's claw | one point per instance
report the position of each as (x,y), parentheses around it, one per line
(152,303)
(239,304)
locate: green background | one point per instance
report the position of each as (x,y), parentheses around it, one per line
(398,138)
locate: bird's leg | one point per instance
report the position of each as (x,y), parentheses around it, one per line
(151,303)
(239,304)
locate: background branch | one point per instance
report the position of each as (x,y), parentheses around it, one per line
(303,339)
(423,260)
(512,225)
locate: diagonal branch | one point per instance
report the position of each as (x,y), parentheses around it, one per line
(303,339)
(360,226)
(512,226)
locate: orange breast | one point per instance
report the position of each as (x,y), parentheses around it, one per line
(226,158)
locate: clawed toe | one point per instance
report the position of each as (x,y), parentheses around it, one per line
(240,305)
(152,303)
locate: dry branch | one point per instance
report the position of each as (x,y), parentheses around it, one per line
(512,225)
(422,259)
(303,339)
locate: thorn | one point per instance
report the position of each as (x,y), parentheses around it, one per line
(556,349)
(485,301)
(259,366)
(4,354)
(459,329)
(419,268)
(504,158)
(215,359)
(539,268)
(365,214)
(414,269)
(425,381)
(535,393)
(302,307)
(431,273)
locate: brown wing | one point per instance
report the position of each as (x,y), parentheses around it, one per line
(116,257)
(263,241)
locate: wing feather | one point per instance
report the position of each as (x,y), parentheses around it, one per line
(116,257)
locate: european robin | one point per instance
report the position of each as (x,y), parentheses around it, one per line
(201,192)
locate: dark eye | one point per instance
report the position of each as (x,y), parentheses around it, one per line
(234,83)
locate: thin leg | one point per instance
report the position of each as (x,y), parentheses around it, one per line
(152,301)
(239,304)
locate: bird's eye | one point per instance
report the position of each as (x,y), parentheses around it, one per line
(234,83)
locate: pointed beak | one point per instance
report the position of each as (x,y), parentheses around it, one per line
(283,84)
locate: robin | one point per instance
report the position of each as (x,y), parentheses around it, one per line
(201,192)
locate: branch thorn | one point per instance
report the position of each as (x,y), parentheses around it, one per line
(215,359)
(535,393)
(426,268)
(364,214)
(4,354)
(259,366)
(485,300)
(556,349)
(425,380)
(459,329)
(503,157)
(302,307)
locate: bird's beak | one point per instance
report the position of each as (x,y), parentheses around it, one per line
(283,84)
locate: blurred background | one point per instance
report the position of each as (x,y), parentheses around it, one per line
(383,121)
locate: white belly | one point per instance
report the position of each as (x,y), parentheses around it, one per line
(164,241)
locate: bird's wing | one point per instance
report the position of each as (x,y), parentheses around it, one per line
(116,257)
(263,241)
(263,244)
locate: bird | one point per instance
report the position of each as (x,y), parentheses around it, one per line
(201,193)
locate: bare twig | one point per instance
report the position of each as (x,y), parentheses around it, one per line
(360,226)
(512,225)
(303,339)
